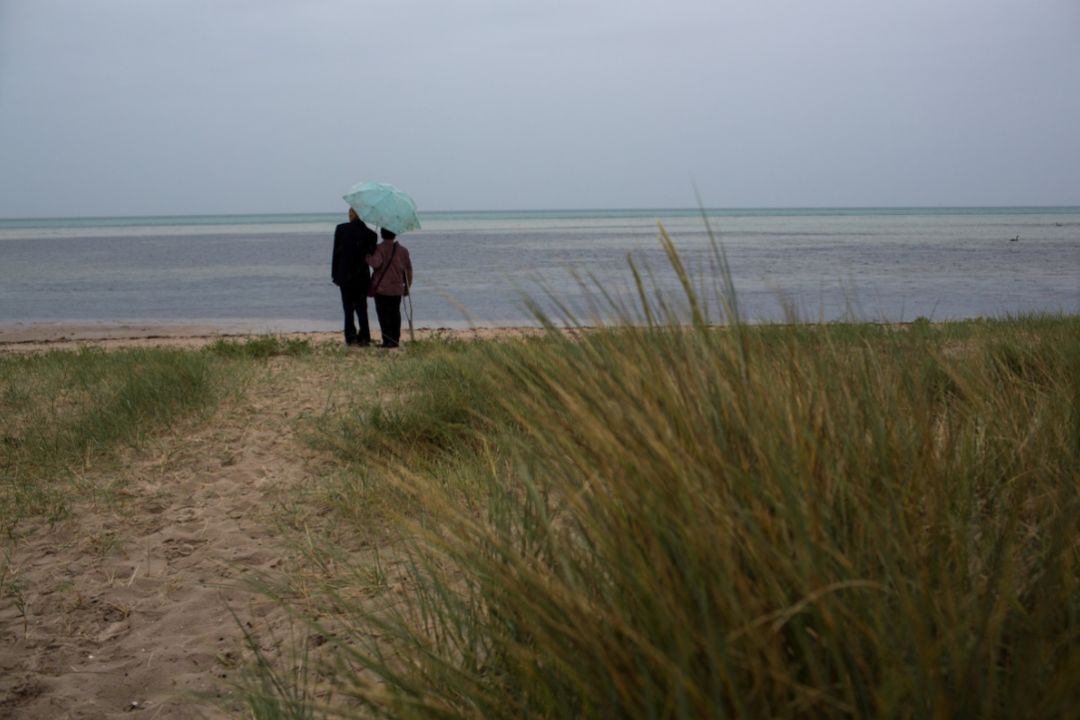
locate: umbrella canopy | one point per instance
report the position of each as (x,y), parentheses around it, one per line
(383,205)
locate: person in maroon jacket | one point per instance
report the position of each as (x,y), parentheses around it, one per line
(390,281)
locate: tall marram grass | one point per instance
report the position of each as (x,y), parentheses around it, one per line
(667,520)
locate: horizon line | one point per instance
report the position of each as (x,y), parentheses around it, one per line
(559,210)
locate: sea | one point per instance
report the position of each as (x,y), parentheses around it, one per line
(272,272)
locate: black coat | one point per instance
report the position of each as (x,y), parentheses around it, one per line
(352,241)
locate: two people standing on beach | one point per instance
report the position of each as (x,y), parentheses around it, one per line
(355,249)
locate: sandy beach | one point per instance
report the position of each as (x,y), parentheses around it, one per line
(142,590)
(42,337)
(129,606)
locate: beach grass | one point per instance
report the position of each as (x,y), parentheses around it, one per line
(64,413)
(261,347)
(666,518)
(659,516)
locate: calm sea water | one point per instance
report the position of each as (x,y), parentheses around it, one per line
(273,271)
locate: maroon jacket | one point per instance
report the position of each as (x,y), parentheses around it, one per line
(391,273)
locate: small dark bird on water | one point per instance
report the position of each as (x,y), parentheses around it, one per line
(1015,239)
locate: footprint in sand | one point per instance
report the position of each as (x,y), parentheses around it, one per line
(177,548)
(185,515)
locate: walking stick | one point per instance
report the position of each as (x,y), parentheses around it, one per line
(408,311)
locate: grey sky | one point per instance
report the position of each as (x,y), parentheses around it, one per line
(204,106)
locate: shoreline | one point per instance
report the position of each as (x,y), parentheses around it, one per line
(42,337)
(36,337)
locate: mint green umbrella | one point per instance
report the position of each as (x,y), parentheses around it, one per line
(383,205)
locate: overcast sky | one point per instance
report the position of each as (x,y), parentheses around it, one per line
(142,107)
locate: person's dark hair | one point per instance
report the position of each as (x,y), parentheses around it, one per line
(386,234)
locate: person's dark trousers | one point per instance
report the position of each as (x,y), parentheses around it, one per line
(388,308)
(354,302)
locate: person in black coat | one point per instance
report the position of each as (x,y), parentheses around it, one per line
(352,242)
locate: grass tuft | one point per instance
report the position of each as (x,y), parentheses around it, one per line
(62,412)
(261,347)
(658,518)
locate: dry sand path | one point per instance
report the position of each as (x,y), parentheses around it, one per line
(127,608)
